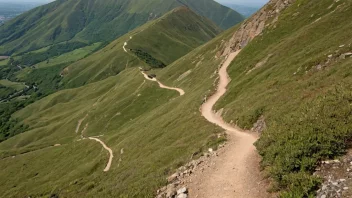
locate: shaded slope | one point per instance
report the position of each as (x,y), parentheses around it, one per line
(94,21)
(155,44)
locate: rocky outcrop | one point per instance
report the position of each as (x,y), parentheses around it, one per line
(337,177)
(176,188)
(255,25)
(259,126)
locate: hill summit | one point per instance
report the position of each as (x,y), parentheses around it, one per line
(95,20)
(156,44)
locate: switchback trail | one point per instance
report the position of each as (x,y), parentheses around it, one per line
(235,172)
(162,85)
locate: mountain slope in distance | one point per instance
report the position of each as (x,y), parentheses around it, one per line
(150,131)
(95,21)
(153,45)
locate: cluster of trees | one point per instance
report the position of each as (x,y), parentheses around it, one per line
(5,92)
(47,80)
(147,58)
(10,127)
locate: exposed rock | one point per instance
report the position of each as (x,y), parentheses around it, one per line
(342,56)
(260,125)
(182,190)
(173,177)
(337,177)
(182,195)
(255,25)
(171,190)
(174,188)
(348,54)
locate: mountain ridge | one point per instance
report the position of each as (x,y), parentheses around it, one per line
(153,45)
(93,21)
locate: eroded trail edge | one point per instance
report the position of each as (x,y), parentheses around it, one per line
(235,172)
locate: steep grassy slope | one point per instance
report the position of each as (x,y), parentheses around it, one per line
(155,44)
(94,21)
(296,76)
(150,130)
(160,41)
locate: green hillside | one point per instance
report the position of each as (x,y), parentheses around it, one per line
(153,45)
(158,42)
(156,128)
(93,21)
(303,89)
(296,76)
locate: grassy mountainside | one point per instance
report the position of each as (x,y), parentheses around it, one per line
(159,42)
(296,76)
(150,130)
(95,21)
(153,45)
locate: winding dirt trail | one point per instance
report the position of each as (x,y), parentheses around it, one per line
(108,165)
(235,172)
(111,155)
(162,85)
(125,44)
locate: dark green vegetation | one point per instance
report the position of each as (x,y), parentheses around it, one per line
(157,129)
(95,21)
(10,127)
(155,44)
(147,58)
(32,58)
(15,96)
(305,96)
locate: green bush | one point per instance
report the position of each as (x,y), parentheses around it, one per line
(294,143)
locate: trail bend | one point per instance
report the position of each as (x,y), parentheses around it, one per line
(108,165)
(235,173)
(161,85)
